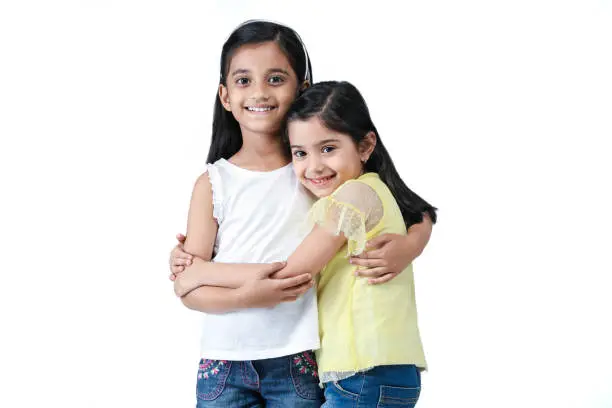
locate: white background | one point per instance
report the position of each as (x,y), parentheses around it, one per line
(497,112)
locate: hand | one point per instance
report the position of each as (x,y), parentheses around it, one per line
(386,257)
(185,282)
(179,258)
(265,291)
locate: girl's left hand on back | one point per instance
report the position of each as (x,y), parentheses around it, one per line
(386,257)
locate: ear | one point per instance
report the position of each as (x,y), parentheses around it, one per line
(366,146)
(224,97)
(305,85)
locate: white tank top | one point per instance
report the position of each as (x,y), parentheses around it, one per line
(259,216)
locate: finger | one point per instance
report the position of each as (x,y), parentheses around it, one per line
(299,290)
(373,272)
(274,267)
(181,238)
(293,281)
(271,270)
(369,263)
(375,253)
(382,279)
(181,262)
(378,241)
(178,252)
(177,269)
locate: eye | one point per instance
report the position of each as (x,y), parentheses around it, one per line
(328,149)
(242,81)
(276,80)
(299,154)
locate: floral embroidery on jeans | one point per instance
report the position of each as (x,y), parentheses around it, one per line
(306,364)
(209,368)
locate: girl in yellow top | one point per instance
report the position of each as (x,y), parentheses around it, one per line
(371,353)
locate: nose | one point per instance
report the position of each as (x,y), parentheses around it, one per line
(315,165)
(260,91)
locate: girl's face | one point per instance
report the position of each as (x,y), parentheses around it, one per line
(324,159)
(261,85)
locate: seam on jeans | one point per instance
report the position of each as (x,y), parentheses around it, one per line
(411,400)
(292,378)
(245,376)
(362,385)
(349,394)
(256,376)
(400,388)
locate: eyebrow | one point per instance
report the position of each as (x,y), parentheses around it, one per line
(322,142)
(270,71)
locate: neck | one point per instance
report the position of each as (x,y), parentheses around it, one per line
(260,151)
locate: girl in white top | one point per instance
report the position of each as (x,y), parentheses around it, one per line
(258,331)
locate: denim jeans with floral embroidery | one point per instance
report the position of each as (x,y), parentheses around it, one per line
(290,381)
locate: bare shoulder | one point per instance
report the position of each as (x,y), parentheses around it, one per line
(202,186)
(201,225)
(202,195)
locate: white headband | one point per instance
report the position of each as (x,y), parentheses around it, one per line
(307,71)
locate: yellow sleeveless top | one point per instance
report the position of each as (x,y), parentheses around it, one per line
(361,325)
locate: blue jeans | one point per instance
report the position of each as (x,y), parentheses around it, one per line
(394,386)
(290,381)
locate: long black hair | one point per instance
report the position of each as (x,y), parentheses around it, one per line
(341,108)
(226,137)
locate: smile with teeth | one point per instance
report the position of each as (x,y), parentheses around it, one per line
(321,181)
(260,108)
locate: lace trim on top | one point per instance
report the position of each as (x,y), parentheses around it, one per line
(217,191)
(339,217)
(339,375)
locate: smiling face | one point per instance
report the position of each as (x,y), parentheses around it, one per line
(261,85)
(324,159)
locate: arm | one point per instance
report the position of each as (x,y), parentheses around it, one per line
(418,236)
(212,299)
(342,212)
(201,225)
(260,291)
(208,273)
(317,249)
(224,275)
(201,235)
(389,254)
